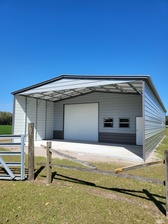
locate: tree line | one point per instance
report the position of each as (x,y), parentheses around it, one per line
(5,118)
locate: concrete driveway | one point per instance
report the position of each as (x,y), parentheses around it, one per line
(93,151)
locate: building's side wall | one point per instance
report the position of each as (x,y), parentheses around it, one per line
(19,117)
(28,110)
(154,117)
(110,105)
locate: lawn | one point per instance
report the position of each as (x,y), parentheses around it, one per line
(86,198)
(5,129)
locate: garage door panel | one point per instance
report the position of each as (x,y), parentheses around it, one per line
(81,122)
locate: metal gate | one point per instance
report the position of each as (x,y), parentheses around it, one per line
(9,164)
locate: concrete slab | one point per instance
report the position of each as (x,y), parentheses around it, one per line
(129,153)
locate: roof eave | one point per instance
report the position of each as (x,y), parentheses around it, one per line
(100,77)
(80,77)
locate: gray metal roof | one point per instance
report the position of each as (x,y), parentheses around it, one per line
(68,86)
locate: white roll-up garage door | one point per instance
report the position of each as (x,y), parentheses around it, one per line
(81,122)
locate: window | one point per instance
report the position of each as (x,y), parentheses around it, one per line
(124,122)
(108,122)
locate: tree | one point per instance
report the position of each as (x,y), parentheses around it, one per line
(5,118)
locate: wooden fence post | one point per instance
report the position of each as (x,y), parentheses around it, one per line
(48,163)
(31,151)
(166,180)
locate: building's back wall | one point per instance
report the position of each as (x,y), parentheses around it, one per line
(110,105)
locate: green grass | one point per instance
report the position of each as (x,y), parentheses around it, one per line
(5,129)
(163,146)
(86,198)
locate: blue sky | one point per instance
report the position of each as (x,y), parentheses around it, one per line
(42,39)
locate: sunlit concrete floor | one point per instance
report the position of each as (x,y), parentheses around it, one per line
(101,151)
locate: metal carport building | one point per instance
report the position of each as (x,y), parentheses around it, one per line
(113,109)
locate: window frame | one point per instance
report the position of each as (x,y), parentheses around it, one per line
(108,122)
(124,122)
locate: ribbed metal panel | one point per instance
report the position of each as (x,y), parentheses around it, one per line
(67,84)
(49,120)
(39,112)
(30,114)
(118,138)
(154,117)
(110,105)
(19,118)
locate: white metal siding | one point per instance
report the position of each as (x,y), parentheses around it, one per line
(40,119)
(49,120)
(19,115)
(39,112)
(118,106)
(31,114)
(154,121)
(110,105)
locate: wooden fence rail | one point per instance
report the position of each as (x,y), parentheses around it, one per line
(122,169)
(84,163)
